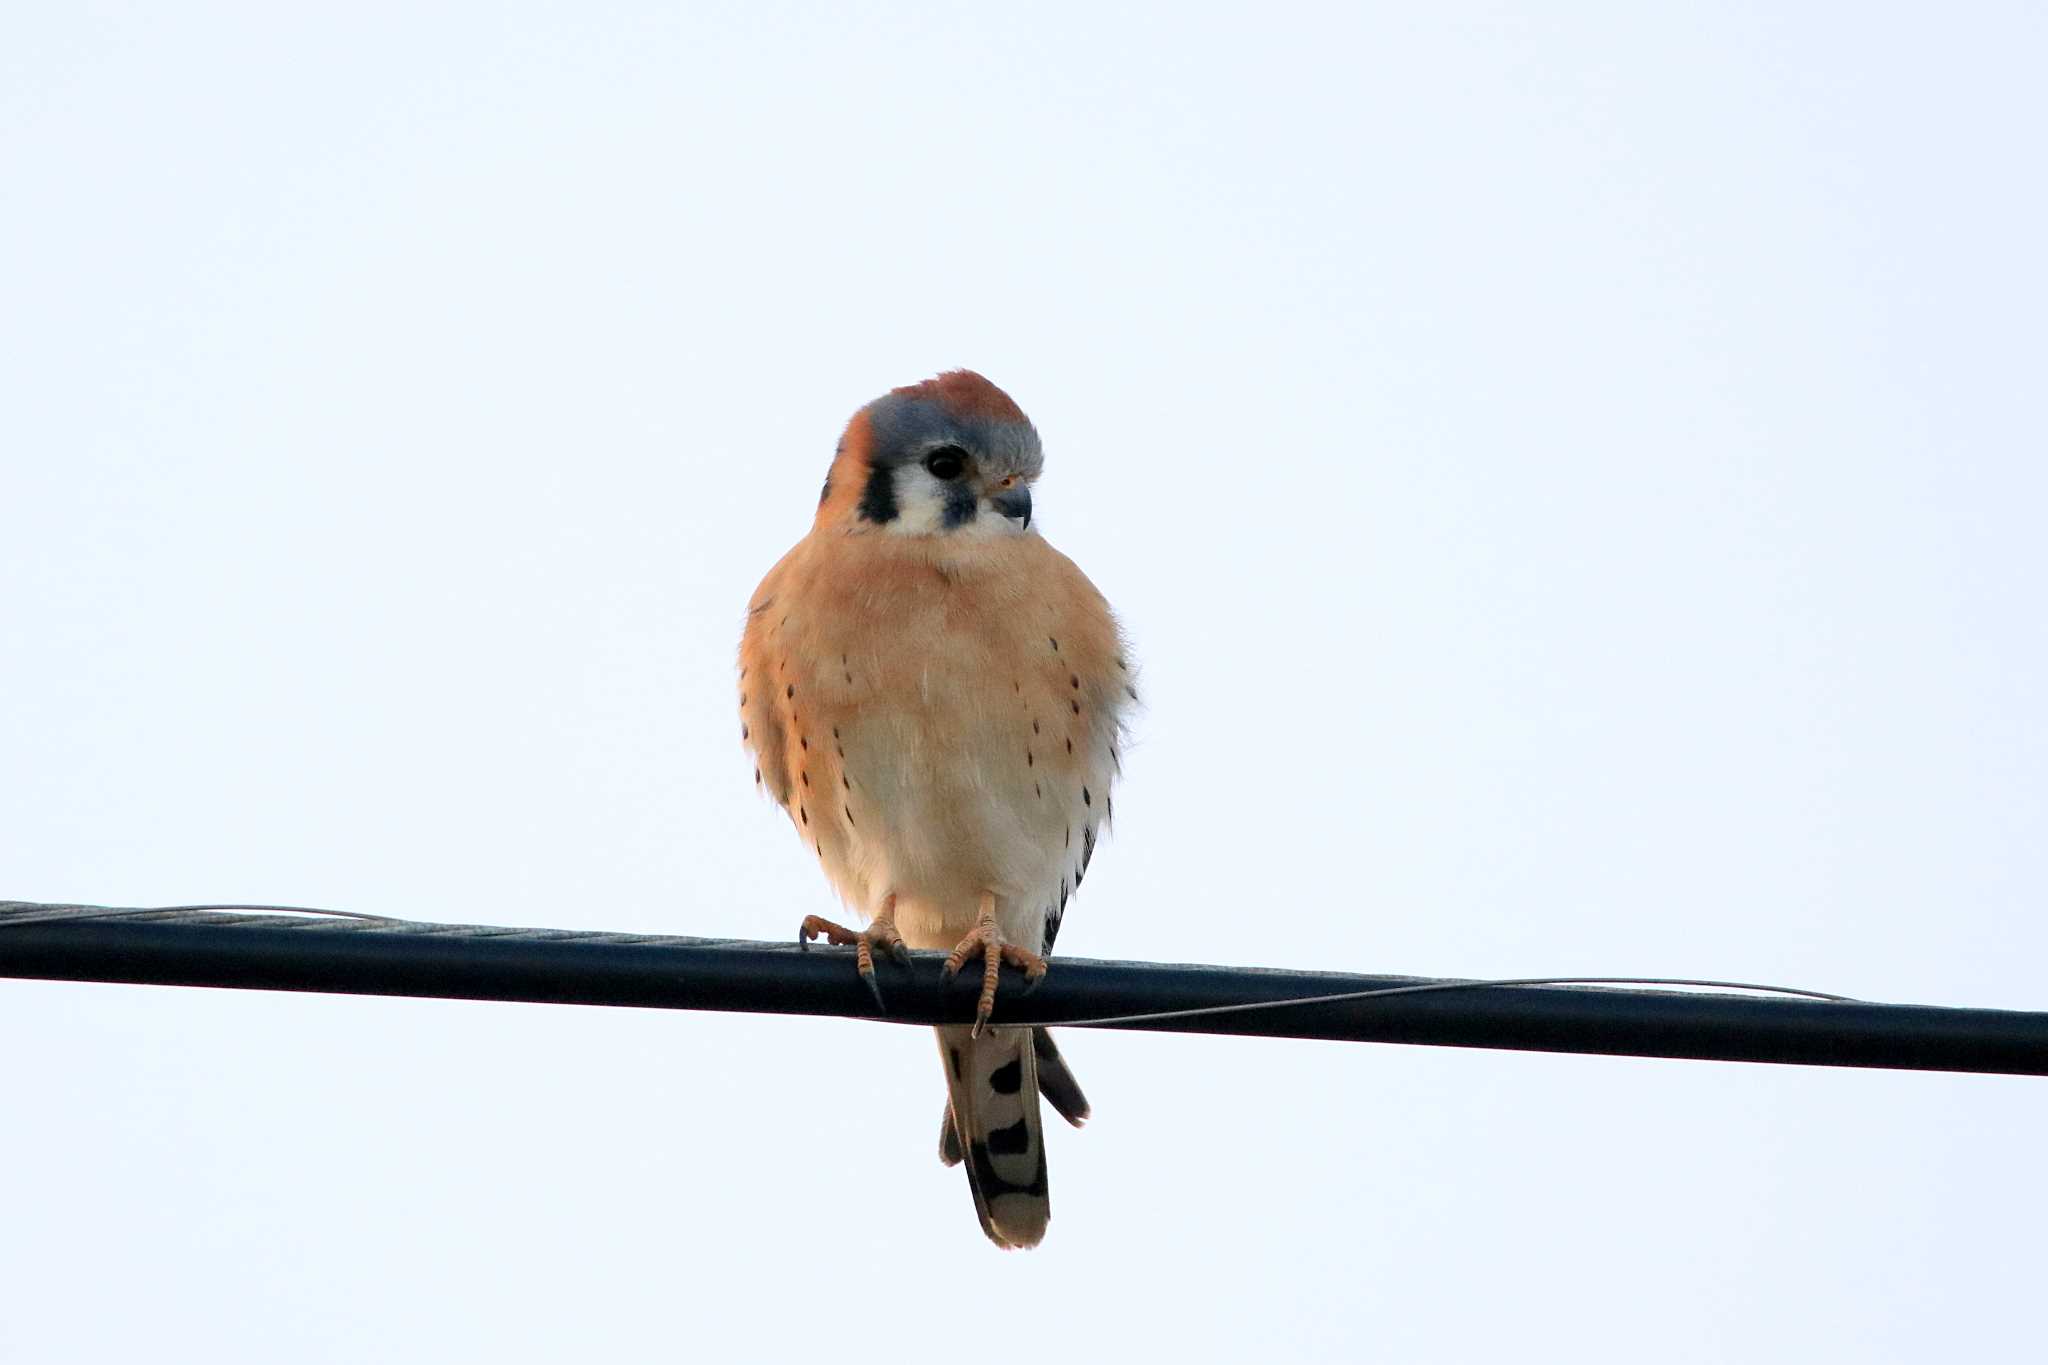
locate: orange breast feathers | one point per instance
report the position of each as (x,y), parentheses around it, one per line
(940,716)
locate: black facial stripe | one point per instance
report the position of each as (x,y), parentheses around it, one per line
(961,505)
(878,499)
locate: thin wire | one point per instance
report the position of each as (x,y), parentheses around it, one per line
(1240,1008)
(296,910)
(46,914)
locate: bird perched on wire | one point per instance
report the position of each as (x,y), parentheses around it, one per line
(936,697)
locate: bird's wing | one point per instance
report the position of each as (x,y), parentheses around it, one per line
(761,724)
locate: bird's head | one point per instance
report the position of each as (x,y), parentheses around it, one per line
(951,456)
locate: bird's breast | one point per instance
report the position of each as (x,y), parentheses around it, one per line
(964,722)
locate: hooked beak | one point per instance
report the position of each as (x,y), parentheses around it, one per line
(1014,504)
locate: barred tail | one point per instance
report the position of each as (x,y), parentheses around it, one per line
(992,1093)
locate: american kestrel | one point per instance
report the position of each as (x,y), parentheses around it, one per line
(936,697)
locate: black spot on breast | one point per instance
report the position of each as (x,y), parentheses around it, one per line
(1055,644)
(878,498)
(1038,791)
(1070,744)
(953,1055)
(805,742)
(1034,719)
(826,491)
(1029,760)
(790,694)
(1007,1078)
(1085,798)
(800,810)
(743,731)
(844,780)
(1014,1140)
(1077,707)
(849,814)
(1075,680)
(1087,847)
(805,774)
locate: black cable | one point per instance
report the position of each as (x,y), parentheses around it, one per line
(375,956)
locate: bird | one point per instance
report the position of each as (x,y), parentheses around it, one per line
(938,699)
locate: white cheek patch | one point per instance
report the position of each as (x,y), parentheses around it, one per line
(988,524)
(921,510)
(928,519)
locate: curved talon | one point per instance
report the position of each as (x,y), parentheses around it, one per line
(867,974)
(986,939)
(882,931)
(838,935)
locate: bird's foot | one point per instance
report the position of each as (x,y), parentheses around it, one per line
(880,934)
(988,941)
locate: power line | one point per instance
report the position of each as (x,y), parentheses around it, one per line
(367,955)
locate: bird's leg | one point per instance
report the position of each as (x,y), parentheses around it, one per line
(988,940)
(881,930)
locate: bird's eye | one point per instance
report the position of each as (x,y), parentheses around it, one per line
(946,462)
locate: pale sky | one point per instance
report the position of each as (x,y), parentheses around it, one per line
(1573,476)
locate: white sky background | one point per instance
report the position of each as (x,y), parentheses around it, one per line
(1575,483)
